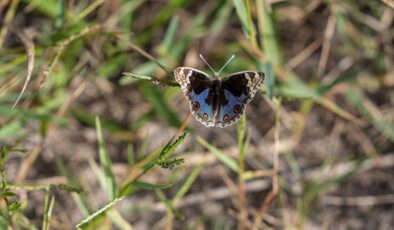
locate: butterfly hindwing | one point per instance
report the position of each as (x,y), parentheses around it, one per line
(200,109)
(230,111)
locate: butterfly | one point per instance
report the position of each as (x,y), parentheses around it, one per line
(217,102)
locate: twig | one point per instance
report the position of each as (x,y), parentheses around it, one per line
(148,56)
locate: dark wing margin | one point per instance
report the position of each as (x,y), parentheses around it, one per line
(243,84)
(191,79)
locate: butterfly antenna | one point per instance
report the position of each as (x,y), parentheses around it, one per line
(231,58)
(208,65)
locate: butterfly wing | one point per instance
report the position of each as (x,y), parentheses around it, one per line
(238,89)
(243,85)
(195,86)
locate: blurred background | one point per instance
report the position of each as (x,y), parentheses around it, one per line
(84,145)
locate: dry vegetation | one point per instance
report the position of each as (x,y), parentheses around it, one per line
(84,145)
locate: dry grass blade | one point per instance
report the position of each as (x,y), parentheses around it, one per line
(389,3)
(359,201)
(343,65)
(328,34)
(147,56)
(29,46)
(184,124)
(337,110)
(340,169)
(304,54)
(28,162)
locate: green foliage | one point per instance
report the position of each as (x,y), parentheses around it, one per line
(79,51)
(129,188)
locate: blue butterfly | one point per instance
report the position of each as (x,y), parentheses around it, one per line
(214,101)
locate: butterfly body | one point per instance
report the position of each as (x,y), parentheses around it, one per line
(215,101)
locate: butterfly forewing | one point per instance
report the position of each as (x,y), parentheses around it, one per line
(243,85)
(191,80)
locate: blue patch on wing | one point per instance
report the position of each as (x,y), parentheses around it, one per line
(202,111)
(232,111)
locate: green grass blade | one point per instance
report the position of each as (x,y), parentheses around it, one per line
(4,152)
(88,119)
(356,98)
(27,115)
(268,33)
(188,183)
(105,162)
(143,148)
(48,204)
(60,14)
(99,174)
(47,7)
(295,88)
(91,7)
(130,154)
(151,160)
(79,198)
(243,15)
(269,80)
(126,14)
(13,64)
(221,18)
(224,158)
(169,37)
(241,131)
(159,104)
(10,130)
(170,147)
(118,220)
(165,152)
(169,205)
(134,186)
(84,223)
